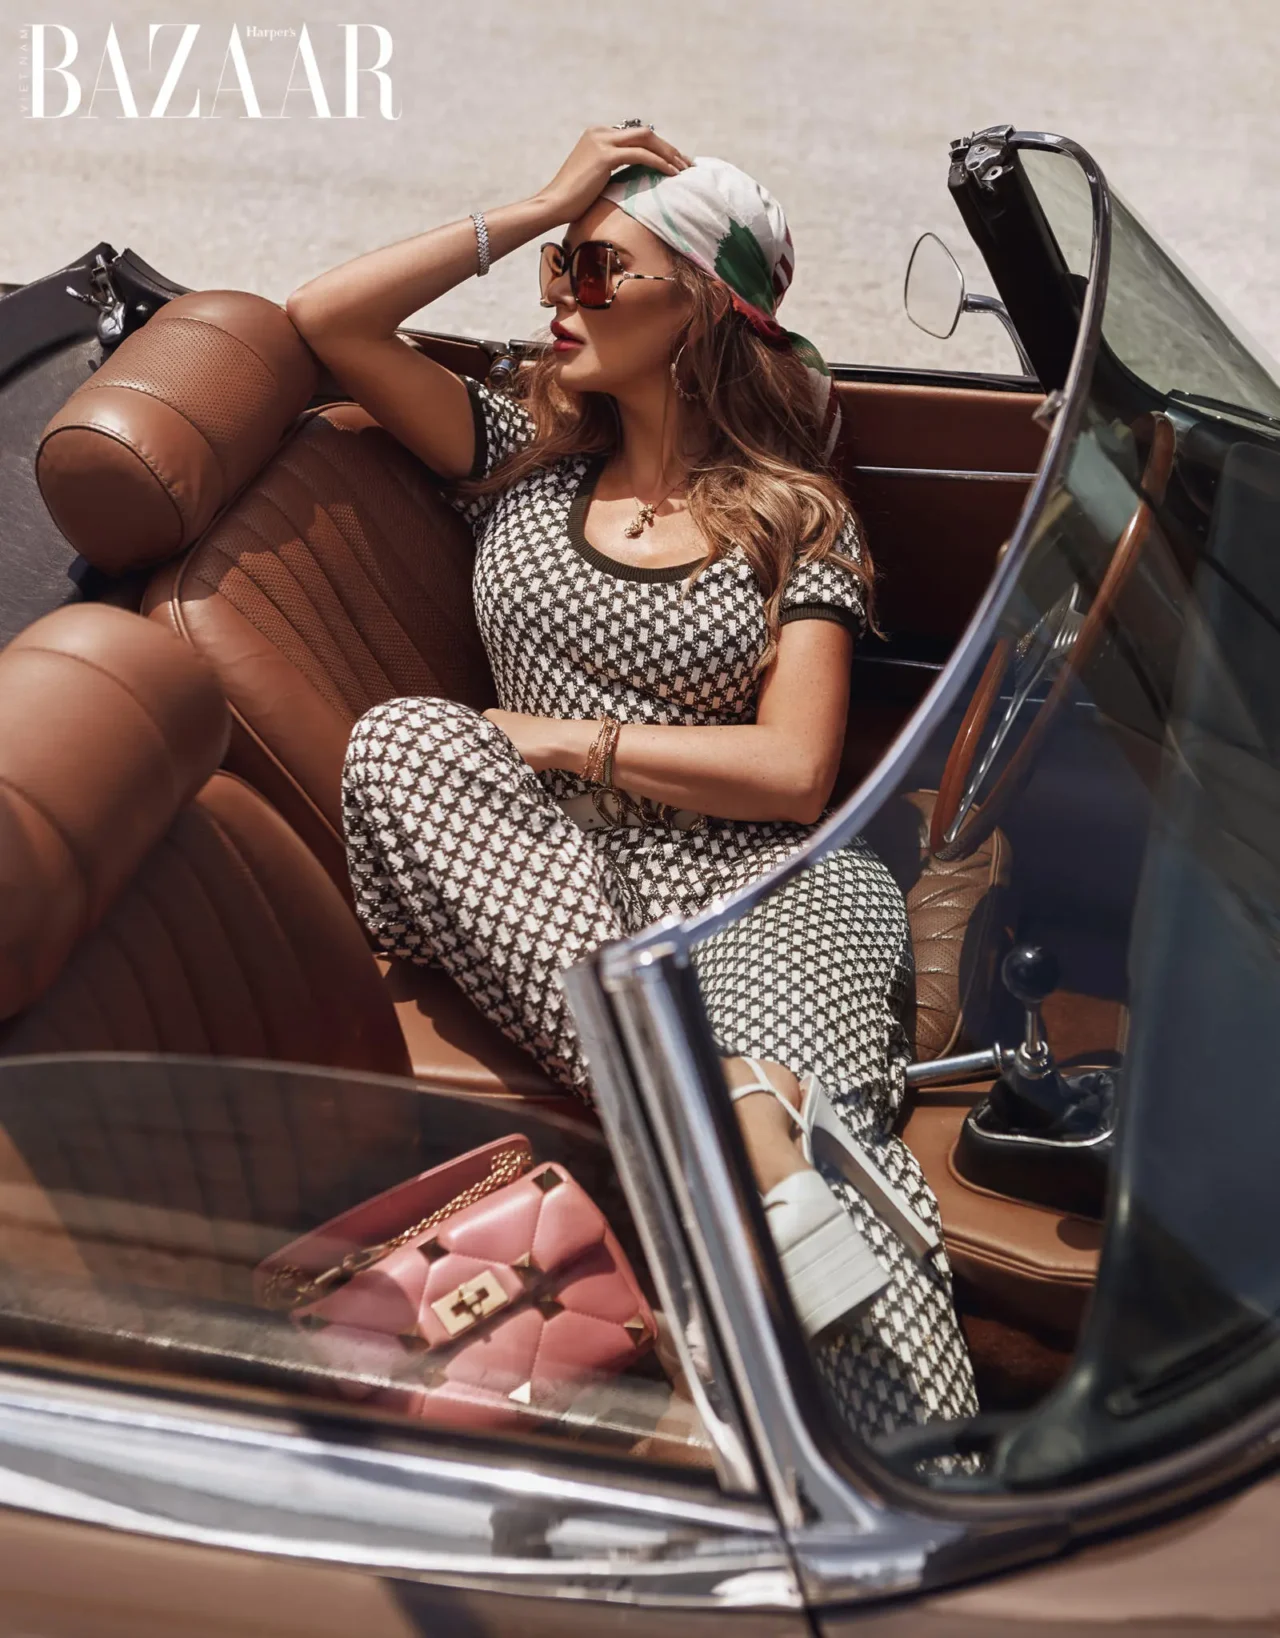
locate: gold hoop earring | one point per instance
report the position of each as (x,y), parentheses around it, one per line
(675,377)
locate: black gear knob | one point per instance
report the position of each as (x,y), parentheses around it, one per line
(1030,973)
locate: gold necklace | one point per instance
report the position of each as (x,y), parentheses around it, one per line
(648,511)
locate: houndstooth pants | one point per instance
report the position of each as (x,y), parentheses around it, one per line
(460,855)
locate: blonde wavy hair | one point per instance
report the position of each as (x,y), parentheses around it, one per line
(760,483)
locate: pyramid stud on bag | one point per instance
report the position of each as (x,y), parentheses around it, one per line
(549,1307)
(548,1180)
(523,1395)
(636,1329)
(432,1250)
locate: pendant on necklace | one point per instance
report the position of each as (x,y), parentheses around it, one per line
(637,525)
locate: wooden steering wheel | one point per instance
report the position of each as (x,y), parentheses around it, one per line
(1060,644)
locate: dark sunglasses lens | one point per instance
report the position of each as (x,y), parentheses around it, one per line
(592,274)
(550,268)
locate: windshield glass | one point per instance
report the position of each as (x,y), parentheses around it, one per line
(1157,322)
(1077,874)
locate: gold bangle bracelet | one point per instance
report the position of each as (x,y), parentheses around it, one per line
(587,771)
(601,746)
(606,761)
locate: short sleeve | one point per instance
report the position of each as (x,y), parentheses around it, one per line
(502,425)
(824,590)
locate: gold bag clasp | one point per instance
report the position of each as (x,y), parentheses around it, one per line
(459,1309)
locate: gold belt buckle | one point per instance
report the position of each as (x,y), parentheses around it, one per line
(458,1310)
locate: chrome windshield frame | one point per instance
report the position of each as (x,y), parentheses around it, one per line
(854,1532)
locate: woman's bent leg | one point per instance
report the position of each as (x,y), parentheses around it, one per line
(818,978)
(459,854)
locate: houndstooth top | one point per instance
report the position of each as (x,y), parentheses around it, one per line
(572,632)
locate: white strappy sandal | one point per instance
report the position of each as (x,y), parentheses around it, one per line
(826,1137)
(830,1269)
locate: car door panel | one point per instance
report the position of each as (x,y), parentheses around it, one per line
(60,1579)
(1199,1577)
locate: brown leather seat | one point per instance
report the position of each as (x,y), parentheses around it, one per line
(328,575)
(154,905)
(149,906)
(308,557)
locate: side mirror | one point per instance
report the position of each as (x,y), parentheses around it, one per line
(933,293)
(934,296)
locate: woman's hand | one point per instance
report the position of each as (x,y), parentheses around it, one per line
(542,741)
(599,152)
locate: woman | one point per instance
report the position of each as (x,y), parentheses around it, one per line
(668,581)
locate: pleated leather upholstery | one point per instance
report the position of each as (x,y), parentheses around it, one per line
(231,942)
(108,728)
(339,579)
(958,913)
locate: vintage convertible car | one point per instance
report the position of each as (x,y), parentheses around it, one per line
(1065,745)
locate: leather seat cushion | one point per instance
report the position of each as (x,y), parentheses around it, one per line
(340,579)
(171,425)
(229,942)
(107,729)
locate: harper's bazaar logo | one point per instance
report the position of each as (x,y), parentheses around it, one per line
(176,77)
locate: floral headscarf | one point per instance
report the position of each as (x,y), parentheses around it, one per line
(733,228)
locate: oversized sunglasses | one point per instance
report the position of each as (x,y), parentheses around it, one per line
(595,272)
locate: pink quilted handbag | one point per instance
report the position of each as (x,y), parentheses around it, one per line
(470,1295)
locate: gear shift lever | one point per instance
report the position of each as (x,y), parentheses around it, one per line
(1030,1094)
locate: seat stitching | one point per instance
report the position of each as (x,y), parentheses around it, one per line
(251,879)
(158,906)
(234,562)
(231,562)
(354,564)
(411,500)
(64,838)
(111,676)
(332,581)
(125,443)
(111,936)
(327,459)
(376,589)
(230,942)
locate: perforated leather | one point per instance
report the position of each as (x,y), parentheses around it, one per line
(147,450)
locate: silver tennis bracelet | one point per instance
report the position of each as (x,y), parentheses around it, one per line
(482,243)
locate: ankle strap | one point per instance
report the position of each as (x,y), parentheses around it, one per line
(762,1083)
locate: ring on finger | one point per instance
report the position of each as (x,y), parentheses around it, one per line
(629,125)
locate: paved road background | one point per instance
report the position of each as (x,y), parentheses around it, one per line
(844,108)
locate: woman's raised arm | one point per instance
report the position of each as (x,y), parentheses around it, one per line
(349,316)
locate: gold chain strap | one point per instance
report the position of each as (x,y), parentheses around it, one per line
(289,1286)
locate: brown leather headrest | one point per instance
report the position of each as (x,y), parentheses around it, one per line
(144,453)
(109,725)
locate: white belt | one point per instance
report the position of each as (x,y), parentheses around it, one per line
(651,816)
